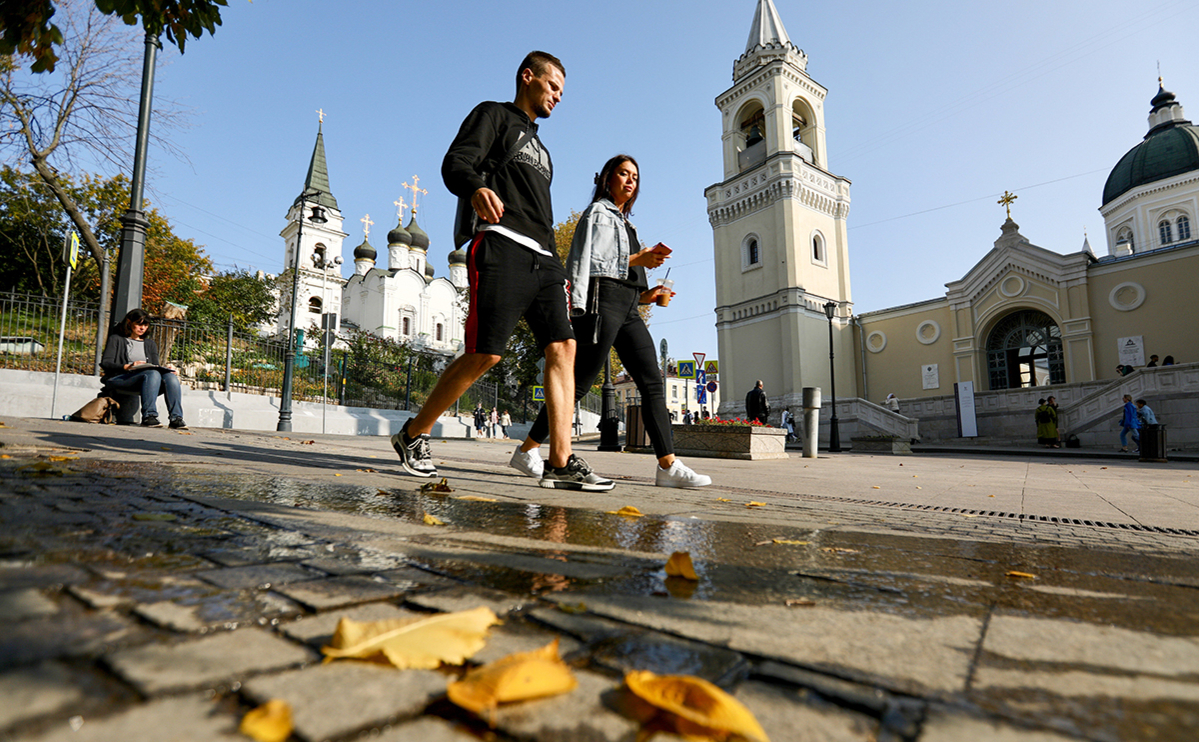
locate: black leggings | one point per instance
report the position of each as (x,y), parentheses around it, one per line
(620,327)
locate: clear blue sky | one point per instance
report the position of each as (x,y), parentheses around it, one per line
(934,109)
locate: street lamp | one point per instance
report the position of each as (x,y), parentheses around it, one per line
(328,321)
(289,356)
(834,434)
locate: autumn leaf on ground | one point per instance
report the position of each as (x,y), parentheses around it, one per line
(579,607)
(270,722)
(418,643)
(793,602)
(442,486)
(628,510)
(517,677)
(476,498)
(876,487)
(368,470)
(755,504)
(433,520)
(42,468)
(337,475)
(64,458)
(692,708)
(679,565)
(790,542)
(1020,575)
(723,499)
(838,550)
(305,443)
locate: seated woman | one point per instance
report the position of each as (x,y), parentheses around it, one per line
(131,363)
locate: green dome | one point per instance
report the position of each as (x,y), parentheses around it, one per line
(1164,154)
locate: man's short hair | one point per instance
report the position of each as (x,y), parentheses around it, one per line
(537,61)
(759,383)
(1141,402)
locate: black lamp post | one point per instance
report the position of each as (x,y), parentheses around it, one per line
(834,434)
(289,356)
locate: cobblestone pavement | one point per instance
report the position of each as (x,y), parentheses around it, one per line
(155,585)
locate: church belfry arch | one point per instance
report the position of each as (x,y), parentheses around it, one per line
(1024,349)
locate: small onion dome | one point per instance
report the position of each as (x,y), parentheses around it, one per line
(399,236)
(420,240)
(458,257)
(365,252)
(428,270)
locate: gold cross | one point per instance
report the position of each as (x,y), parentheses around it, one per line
(400,206)
(1006,201)
(415,190)
(366,227)
(320,112)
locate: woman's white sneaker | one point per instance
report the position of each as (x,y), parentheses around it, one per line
(529,462)
(680,475)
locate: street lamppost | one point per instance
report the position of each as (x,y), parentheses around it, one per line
(289,356)
(328,321)
(834,434)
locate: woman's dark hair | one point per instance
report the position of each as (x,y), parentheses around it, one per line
(605,177)
(135,316)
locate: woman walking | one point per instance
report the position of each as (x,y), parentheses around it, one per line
(607,284)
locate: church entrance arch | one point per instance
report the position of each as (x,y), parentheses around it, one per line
(1024,349)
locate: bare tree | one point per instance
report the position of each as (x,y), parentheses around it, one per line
(85,110)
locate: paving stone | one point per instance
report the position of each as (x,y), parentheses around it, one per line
(316,631)
(411,578)
(948,726)
(915,655)
(467,598)
(20,605)
(425,730)
(582,625)
(786,715)
(36,691)
(261,576)
(578,716)
(573,568)
(338,592)
(356,562)
(140,588)
(226,608)
(189,718)
(204,663)
(1049,640)
(20,574)
(1078,684)
(68,633)
(338,698)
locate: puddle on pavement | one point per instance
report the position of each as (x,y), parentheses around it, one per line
(752,563)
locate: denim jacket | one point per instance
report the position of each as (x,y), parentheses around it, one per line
(599,249)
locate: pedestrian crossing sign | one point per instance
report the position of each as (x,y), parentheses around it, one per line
(538,394)
(686,369)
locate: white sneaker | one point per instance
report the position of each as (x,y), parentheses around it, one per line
(680,475)
(529,462)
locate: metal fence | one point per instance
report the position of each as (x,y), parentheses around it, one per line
(220,358)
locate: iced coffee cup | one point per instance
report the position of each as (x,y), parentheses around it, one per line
(663,297)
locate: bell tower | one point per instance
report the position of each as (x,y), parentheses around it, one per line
(779,228)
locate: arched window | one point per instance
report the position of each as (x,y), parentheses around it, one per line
(803,130)
(1164,232)
(318,254)
(1184,228)
(405,327)
(818,255)
(1125,236)
(437,335)
(751,136)
(314,305)
(1025,350)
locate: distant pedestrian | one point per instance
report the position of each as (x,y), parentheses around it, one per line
(480,419)
(892,403)
(505,423)
(1052,402)
(1046,418)
(1145,414)
(788,424)
(757,407)
(1124,370)
(1168,361)
(1129,423)
(1152,362)
(687,417)
(493,421)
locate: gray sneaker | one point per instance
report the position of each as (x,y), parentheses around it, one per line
(414,453)
(576,475)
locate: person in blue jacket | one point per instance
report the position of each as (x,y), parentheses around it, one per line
(1130,422)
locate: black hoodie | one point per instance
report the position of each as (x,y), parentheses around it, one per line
(523,185)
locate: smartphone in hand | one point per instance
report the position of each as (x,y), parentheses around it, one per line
(661,249)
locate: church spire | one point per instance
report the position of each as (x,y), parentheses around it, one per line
(767,27)
(318,174)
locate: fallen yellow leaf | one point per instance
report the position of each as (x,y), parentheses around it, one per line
(476,498)
(368,470)
(517,677)
(628,510)
(433,520)
(42,467)
(755,504)
(165,448)
(1021,575)
(789,542)
(679,565)
(579,607)
(723,499)
(876,487)
(337,475)
(838,550)
(270,722)
(417,643)
(441,486)
(694,708)
(792,602)
(63,458)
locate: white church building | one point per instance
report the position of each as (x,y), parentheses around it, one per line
(402,301)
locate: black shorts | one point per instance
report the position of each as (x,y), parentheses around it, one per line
(507,282)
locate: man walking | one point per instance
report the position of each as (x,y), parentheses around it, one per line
(498,164)
(756,405)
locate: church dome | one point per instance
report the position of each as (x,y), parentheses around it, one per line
(429,271)
(1170,148)
(458,257)
(365,252)
(420,240)
(399,236)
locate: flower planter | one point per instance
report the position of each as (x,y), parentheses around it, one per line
(750,442)
(876,445)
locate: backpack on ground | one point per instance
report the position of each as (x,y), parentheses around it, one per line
(102,410)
